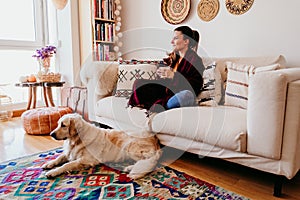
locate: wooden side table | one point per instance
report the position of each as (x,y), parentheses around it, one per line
(47,92)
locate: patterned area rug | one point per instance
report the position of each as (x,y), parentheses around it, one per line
(23,178)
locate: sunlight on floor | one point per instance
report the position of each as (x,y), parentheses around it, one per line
(14,142)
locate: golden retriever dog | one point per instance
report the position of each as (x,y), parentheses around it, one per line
(86,145)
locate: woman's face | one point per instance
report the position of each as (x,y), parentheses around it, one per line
(178,41)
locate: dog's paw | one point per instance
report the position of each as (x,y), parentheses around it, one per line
(135,176)
(52,174)
(128,168)
(47,166)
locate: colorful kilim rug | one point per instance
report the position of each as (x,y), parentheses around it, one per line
(23,178)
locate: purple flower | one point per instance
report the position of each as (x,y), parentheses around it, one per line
(45,52)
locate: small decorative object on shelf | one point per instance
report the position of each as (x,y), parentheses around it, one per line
(43,56)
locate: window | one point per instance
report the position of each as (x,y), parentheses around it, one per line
(21,25)
(24,28)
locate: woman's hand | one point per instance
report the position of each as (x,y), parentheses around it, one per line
(165,72)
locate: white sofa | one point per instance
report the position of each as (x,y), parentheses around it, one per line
(265,136)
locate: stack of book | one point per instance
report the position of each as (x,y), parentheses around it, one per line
(103,52)
(104,31)
(104,9)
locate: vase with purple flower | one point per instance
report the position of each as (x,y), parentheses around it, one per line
(43,56)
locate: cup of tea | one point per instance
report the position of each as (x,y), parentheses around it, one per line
(162,72)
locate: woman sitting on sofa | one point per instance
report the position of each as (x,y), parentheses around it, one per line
(179,83)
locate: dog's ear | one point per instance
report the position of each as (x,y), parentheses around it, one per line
(72,127)
(75,123)
(77,119)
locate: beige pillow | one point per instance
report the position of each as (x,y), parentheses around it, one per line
(236,93)
(128,73)
(212,92)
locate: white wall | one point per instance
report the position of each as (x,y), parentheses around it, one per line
(270,27)
(69,43)
(86,26)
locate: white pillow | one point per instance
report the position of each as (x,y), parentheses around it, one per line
(128,73)
(212,83)
(236,93)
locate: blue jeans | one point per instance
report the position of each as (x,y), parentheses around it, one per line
(181,99)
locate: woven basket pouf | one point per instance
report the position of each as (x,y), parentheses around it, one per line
(41,121)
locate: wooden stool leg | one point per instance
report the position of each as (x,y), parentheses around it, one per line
(45,96)
(34,96)
(50,97)
(29,97)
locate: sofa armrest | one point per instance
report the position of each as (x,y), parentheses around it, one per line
(291,136)
(266,113)
(100,78)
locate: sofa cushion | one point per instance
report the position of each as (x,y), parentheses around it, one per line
(236,93)
(222,126)
(211,93)
(256,61)
(265,129)
(116,108)
(128,73)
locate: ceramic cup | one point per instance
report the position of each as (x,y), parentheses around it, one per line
(162,72)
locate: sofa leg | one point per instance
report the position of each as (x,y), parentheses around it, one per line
(278,186)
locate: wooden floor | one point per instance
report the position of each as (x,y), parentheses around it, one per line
(251,183)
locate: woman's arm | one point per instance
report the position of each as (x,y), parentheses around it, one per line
(190,72)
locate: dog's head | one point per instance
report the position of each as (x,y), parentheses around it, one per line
(66,126)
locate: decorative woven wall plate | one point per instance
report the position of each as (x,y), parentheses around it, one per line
(175,11)
(238,7)
(208,9)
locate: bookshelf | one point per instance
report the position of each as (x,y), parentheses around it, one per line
(104,18)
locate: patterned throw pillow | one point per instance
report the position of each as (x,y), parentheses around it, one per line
(129,71)
(236,93)
(212,91)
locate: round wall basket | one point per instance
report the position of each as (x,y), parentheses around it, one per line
(208,9)
(175,11)
(238,7)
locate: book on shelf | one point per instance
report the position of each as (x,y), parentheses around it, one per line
(104,9)
(105,31)
(102,52)
(99,6)
(95,8)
